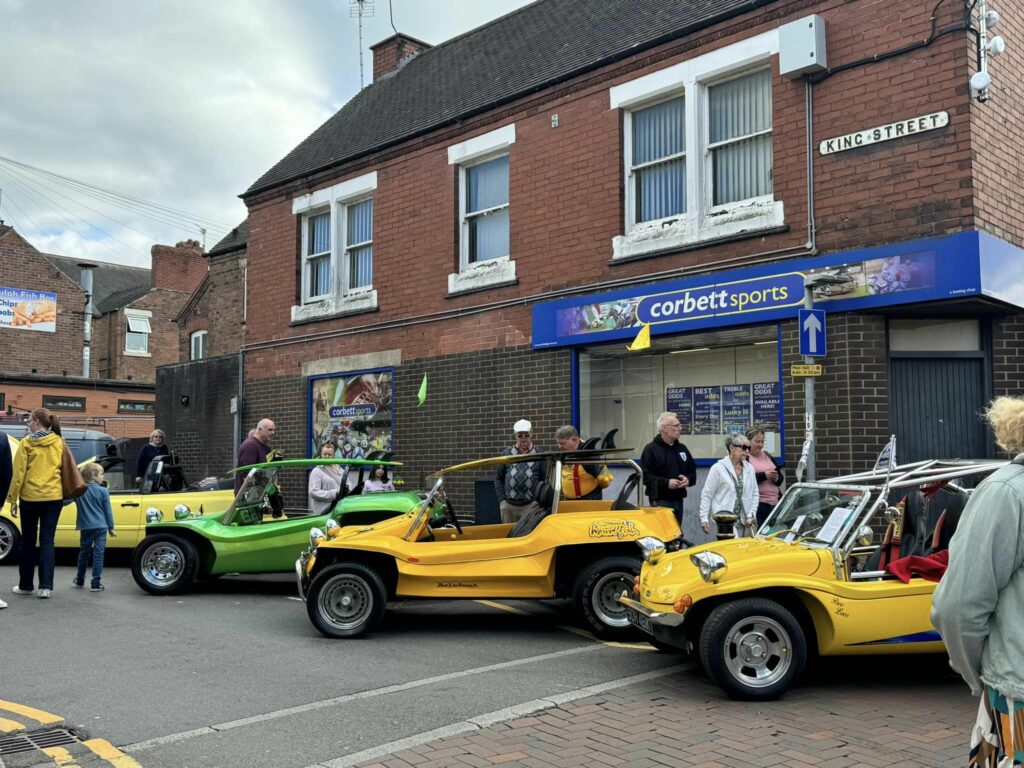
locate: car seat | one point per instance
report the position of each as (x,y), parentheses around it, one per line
(628,489)
(946,525)
(543,499)
(907,536)
(172,479)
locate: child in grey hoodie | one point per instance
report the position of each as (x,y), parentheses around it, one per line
(95,520)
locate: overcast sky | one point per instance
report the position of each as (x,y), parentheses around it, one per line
(179,103)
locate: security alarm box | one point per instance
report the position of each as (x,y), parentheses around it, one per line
(802,47)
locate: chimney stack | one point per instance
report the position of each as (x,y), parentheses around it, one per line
(389,55)
(178,268)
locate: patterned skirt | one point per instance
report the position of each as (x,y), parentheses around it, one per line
(997,740)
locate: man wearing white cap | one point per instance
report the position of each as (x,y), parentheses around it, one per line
(516,484)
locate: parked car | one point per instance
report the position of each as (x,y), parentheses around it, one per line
(582,550)
(165,490)
(248,537)
(83,443)
(812,581)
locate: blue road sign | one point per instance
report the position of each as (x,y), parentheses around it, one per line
(812,332)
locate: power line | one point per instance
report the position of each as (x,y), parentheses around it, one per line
(109,193)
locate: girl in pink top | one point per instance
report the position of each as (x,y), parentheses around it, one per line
(768,473)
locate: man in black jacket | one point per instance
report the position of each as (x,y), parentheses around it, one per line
(668,465)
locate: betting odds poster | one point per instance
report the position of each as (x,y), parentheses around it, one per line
(353,412)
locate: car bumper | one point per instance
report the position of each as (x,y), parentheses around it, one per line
(300,577)
(664,627)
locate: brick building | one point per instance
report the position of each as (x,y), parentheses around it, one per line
(505,211)
(132,331)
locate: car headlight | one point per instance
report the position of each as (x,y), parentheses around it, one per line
(154,515)
(315,536)
(651,548)
(865,536)
(333,529)
(712,565)
(182,512)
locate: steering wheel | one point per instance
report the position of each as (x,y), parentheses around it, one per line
(449,515)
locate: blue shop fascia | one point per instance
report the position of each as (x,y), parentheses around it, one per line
(715,357)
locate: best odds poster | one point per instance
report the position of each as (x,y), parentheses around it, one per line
(352,411)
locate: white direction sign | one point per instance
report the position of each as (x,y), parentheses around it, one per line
(812,332)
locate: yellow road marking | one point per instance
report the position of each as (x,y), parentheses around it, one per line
(6,726)
(61,757)
(567,628)
(35,714)
(111,754)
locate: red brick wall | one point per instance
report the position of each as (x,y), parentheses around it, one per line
(109,332)
(180,267)
(388,54)
(218,308)
(998,135)
(23,351)
(566,187)
(100,403)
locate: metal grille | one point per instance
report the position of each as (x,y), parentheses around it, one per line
(28,742)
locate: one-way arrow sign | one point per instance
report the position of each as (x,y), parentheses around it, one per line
(812,332)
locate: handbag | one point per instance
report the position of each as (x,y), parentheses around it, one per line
(71,483)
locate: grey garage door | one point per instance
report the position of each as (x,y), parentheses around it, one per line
(936,407)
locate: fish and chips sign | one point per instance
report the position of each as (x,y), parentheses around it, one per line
(28,310)
(884,133)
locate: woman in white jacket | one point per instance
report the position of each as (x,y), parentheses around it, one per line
(324,483)
(731,486)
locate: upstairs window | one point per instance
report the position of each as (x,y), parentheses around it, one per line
(136,338)
(485,220)
(337,249)
(317,257)
(698,150)
(198,342)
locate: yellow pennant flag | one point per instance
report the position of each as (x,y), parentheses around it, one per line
(642,340)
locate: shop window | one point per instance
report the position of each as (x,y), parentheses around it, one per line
(484,216)
(698,150)
(713,391)
(198,342)
(138,329)
(337,250)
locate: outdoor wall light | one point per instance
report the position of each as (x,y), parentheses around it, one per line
(184,401)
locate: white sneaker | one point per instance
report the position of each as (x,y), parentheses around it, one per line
(20,591)
(3,604)
(42,594)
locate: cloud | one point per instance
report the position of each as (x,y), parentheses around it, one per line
(182,103)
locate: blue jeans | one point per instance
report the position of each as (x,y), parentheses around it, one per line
(38,518)
(94,541)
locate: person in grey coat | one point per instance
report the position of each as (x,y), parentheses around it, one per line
(978,606)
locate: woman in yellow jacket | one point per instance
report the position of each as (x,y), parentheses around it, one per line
(37,493)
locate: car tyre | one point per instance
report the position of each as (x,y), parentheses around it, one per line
(596,596)
(346,600)
(754,648)
(164,565)
(10,540)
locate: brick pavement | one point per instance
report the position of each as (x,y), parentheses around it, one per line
(854,714)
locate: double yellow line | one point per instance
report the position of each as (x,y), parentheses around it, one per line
(62,757)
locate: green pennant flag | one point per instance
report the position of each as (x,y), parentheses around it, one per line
(422,395)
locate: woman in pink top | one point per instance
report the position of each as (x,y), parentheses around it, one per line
(768,473)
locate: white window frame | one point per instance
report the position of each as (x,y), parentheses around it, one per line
(308,297)
(203,338)
(477,275)
(145,316)
(341,300)
(702,221)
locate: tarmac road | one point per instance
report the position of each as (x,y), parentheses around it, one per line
(233,674)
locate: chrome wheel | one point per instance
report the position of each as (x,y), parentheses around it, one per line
(758,651)
(345,601)
(163,564)
(8,540)
(605,598)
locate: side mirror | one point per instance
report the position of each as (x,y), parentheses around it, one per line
(893,514)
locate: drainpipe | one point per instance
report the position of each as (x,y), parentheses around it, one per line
(236,425)
(86,282)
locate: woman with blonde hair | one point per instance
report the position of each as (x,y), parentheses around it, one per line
(36,493)
(731,487)
(978,606)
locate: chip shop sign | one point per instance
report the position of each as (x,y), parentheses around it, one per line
(884,133)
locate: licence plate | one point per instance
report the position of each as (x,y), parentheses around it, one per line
(639,620)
